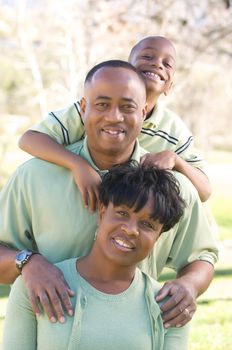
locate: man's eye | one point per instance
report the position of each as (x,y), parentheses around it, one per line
(128,107)
(147,57)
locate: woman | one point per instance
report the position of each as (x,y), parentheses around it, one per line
(114,301)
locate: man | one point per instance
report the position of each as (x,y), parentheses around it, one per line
(41,207)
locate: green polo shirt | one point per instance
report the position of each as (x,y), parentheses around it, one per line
(130,320)
(163,130)
(41,209)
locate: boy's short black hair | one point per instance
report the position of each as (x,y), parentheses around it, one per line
(131,184)
(113,64)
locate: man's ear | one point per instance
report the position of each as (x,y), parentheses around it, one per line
(144,111)
(168,89)
(82,108)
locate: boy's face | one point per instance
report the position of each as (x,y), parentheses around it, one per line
(155,58)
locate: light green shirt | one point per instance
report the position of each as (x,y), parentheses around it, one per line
(130,320)
(163,130)
(41,209)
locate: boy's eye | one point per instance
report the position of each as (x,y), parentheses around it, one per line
(167,65)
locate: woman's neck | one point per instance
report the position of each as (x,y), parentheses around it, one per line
(105,276)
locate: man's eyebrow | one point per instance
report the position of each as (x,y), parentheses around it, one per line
(103,97)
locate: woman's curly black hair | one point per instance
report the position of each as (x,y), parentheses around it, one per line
(131,184)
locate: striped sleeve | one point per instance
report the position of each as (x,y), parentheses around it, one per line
(64,126)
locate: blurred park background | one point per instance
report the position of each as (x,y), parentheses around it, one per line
(48,46)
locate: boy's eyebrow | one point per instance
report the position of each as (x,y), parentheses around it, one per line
(154,49)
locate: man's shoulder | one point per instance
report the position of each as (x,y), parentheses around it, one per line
(187,189)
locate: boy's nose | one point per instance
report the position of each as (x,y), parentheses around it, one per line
(157,62)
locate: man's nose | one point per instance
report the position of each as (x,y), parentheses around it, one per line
(114,115)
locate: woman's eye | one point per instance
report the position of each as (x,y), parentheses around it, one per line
(147,224)
(122,213)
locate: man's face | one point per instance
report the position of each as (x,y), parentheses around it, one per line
(113,110)
(155,58)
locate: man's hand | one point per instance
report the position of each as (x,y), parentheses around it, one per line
(164,160)
(87,180)
(46,285)
(179,309)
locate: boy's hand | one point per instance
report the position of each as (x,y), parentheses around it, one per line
(181,305)
(87,180)
(46,286)
(164,160)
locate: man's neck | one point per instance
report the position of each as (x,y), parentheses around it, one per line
(105,161)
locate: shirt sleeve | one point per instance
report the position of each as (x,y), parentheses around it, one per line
(64,126)
(15,212)
(176,338)
(194,237)
(20,326)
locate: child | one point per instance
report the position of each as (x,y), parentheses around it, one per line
(114,301)
(163,134)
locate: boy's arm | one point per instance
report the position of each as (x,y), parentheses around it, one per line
(43,146)
(170,160)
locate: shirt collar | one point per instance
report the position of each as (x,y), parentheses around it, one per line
(85,154)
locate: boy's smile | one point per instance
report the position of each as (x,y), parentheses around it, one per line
(155,58)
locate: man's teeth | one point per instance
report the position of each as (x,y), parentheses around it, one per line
(123,243)
(113,132)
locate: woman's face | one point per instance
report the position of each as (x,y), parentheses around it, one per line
(125,236)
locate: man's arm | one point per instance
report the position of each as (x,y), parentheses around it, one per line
(43,281)
(170,160)
(191,282)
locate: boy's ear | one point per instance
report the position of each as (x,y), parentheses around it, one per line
(168,89)
(82,106)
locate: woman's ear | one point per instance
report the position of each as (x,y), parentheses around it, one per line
(101,212)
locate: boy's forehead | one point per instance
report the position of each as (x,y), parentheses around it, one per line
(157,44)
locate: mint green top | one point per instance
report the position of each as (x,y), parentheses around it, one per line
(163,130)
(41,209)
(130,320)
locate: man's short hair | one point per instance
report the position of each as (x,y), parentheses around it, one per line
(113,64)
(131,184)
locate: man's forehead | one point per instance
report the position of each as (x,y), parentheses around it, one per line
(106,73)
